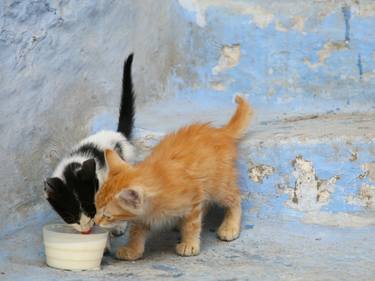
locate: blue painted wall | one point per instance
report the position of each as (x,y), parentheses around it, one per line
(61,72)
(306,57)
(295,58)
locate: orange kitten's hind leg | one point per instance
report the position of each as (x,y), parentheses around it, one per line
(136,245)
(230,227)
(190,230)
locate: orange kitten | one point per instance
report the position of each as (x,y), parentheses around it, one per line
(188,169)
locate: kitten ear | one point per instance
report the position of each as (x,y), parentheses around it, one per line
(113,160)
(88,170)
(130,198)
(52,185)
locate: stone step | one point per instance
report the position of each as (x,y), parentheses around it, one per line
(314,167)
(300,175)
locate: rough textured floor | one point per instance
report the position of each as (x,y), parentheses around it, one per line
(276,243)
(267,250)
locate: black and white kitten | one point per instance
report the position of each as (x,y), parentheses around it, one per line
(72,187)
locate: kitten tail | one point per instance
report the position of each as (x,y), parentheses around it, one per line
(126,117)
(239,122)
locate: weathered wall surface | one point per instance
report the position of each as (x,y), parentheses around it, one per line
(308,67)
(61,69)
(297,56)
(61,66)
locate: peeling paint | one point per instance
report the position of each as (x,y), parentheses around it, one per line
(369,169)
(218,86)
(365,196)
(259,172)
(298,23)
(230,56)
(261,17)
(353,156)
(193,6)
(309,193)
(279,26)
(316,59)
(365,9)
(327,50)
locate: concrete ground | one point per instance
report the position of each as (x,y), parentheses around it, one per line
(279,249)
(279,240)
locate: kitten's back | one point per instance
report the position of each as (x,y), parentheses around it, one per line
(195,141)
(200,153)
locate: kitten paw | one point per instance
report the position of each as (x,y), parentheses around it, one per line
(228,233)
(187,249)
(128,254)
(119,230)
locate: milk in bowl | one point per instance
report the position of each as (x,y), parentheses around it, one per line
(66,248)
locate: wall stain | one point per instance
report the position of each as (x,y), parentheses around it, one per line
(229,58)
(347,15)
(369,170)
(365,196)
(296,23)
(353,156)
(280,27)
(360,67)
(309,192)
(259,172)
(218,86)
(327,50)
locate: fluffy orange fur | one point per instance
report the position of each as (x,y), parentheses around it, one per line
(187,170)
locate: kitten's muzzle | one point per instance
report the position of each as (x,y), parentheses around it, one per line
(97,220)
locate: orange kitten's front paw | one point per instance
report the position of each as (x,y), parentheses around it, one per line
(187,249)
(226,233)
(128,254)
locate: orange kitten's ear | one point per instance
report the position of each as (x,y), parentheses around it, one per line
(113,160)
(130,198)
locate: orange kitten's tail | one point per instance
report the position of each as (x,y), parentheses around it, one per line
(240,120)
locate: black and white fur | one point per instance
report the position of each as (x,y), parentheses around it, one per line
(72,187)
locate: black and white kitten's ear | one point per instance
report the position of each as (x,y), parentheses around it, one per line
(52,186)
(114,161)
(130,198)
(87,170)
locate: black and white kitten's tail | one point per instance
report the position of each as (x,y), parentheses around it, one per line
(126,116)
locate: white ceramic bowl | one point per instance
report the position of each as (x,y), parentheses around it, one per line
(68,249)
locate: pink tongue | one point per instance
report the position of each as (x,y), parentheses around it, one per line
(86,232)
